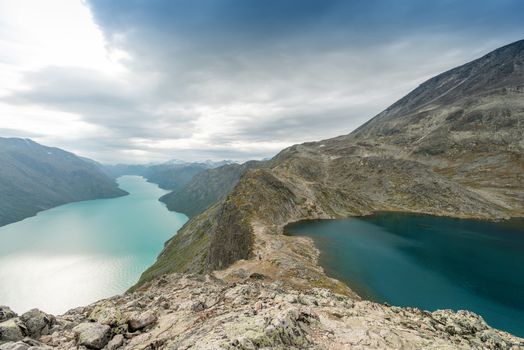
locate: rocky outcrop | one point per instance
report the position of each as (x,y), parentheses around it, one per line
(33,324)
(203,312)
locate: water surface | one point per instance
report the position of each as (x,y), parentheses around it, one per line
(428,262)
(80,252)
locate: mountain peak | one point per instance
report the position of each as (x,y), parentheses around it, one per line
(500,72)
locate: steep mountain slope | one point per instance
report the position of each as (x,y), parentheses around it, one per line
(173,176)
(454,146)
(206,188)
(35,177)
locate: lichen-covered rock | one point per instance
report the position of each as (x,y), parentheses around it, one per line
(286,329)
(37,323)
(92,335)
(12,330)
(258,315)
(460,322)
(6,313)
(142,320)
(106,313)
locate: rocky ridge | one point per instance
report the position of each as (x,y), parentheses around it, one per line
(453,147)
(203,312)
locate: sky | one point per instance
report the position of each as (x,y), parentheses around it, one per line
(140,81)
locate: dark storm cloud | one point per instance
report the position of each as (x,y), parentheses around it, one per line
(226,75)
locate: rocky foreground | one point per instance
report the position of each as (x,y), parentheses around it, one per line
(202,312)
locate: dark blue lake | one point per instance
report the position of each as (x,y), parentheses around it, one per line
(428,262)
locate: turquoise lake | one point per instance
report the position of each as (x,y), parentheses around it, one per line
(428,262)
(80,252)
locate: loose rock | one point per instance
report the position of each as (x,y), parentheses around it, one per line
(12,330)
(26,344)
(6,313)
(141,320)
(38,323)
(116,342)
(92,335)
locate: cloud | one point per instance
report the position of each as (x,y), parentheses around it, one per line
(243,78)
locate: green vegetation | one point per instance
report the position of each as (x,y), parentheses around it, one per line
(206,188)
(186,251)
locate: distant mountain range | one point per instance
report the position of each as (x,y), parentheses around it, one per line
(209,163)
(206,188)
(35,177)
(170,175)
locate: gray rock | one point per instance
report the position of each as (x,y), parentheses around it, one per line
(26,344)
(116,342)
(12,330)
(37,322)
(6,313)
(461,322)
(106,313)
(141,320)
(92,335)
(198,306)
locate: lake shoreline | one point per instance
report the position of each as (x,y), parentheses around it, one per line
(108,240)
(360,286)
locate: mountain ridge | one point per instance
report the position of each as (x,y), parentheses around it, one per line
(34,177)
(447,160)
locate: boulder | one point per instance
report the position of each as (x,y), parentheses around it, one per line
(106,313)
(6,313)
(141,320)
(116,342)
(11,330)
(92,335)
(37,322)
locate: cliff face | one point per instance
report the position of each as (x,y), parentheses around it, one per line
(34,178)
